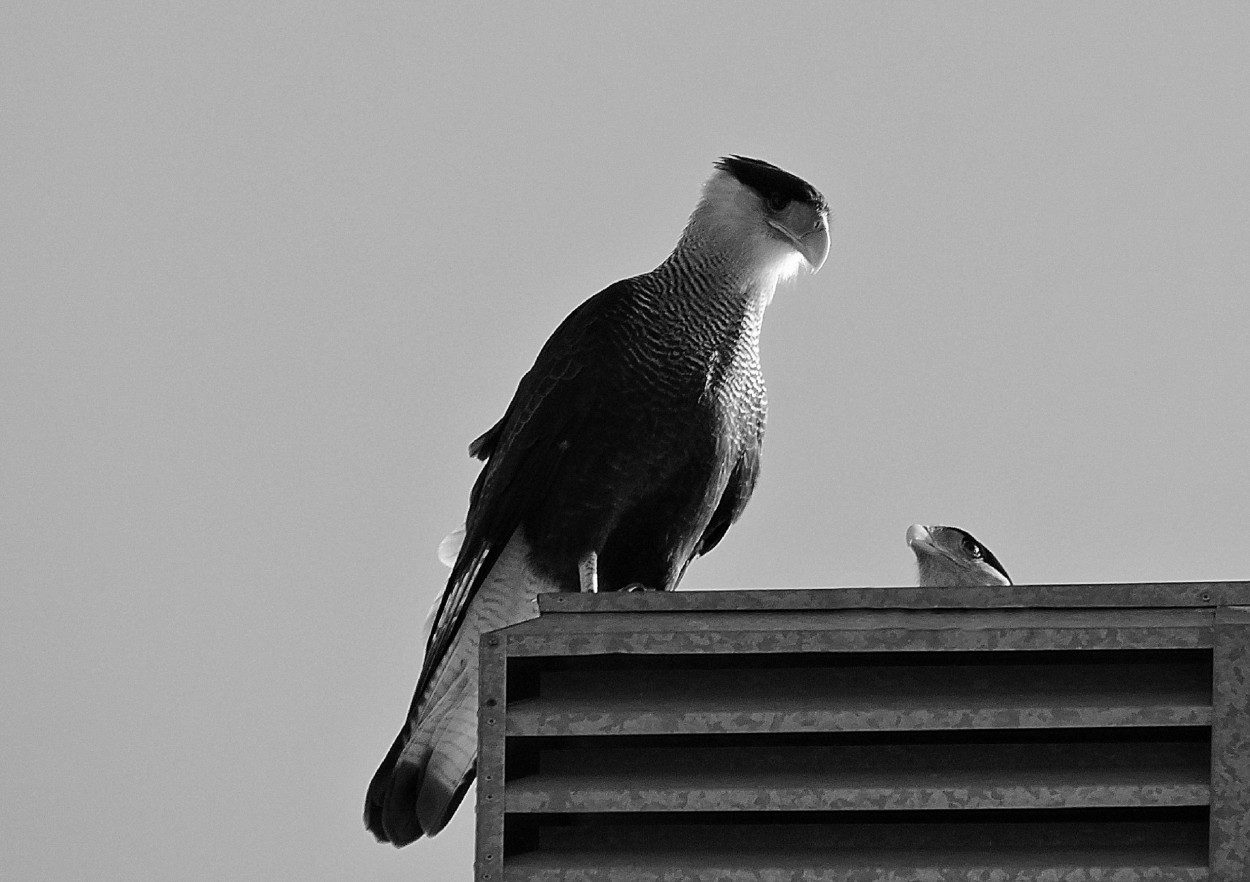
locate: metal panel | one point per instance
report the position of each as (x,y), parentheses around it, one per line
(1156,594)
(618,697)
(879,678)
(537,718)
(969,832)
(1080,733)
(859,640)
(1078,850)
(1140,865)
(872,620)
(686,776)
(492,692)
(553,793)
(1035,845)
(1230,748)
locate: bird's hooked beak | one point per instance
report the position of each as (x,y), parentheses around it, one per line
(918,534)
(814,244)
(807,229)
(920,540)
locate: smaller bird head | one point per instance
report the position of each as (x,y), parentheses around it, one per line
(765,215)
(951,557)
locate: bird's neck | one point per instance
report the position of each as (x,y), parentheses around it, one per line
(719,279)
(710,305)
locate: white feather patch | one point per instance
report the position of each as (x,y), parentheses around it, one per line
(449,548)
(428,625)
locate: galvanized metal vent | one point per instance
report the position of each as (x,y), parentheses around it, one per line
(1031,734)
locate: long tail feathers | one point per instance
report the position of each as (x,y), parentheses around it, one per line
(431,764)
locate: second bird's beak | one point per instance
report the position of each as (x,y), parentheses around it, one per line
(918,534)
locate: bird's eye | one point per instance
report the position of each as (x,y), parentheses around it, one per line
(777,202)
(971,548)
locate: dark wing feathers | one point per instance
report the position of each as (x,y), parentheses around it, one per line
(483,446)
(523,452)
(734,499)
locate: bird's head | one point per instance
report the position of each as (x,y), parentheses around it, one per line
(769,219)
(949,556)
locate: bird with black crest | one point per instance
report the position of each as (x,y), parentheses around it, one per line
(628,449)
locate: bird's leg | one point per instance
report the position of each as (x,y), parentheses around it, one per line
(588,573)
(634,587)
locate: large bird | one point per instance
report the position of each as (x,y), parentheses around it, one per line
(951,557)
(628,449)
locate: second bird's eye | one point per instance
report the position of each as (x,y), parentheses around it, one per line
(777,202)
(971,548)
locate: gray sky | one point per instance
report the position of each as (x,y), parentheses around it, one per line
(268,268)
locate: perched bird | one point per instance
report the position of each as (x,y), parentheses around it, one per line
(949,556)
(628,449)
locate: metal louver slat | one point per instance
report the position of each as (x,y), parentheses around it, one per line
(670,696)
(909,776)
(857,630)
(1084,846)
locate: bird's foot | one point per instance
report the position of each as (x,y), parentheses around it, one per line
(637,587)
